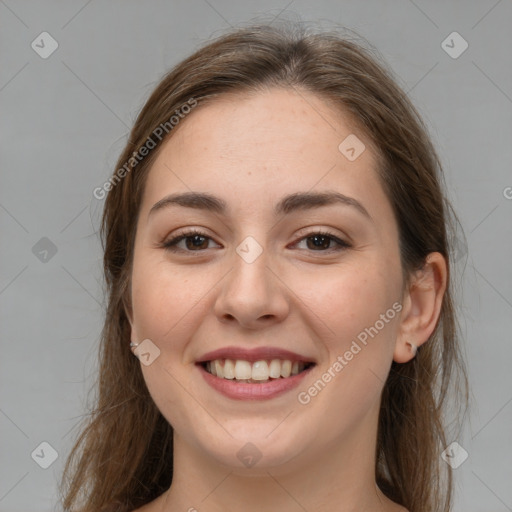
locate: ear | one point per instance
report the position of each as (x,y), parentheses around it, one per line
(421,307)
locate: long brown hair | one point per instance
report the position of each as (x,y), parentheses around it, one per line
(123,457)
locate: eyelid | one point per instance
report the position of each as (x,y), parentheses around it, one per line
(170,242)
(339,241)
(327,230)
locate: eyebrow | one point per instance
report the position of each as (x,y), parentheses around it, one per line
(288,204)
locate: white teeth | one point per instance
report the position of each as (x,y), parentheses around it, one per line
(229,369)
(259,371)
(275,369)
(218,369)
(243,370)
(286,368)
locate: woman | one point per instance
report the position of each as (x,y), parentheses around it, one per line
(280,332)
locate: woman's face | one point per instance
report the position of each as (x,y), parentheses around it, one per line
(263,287)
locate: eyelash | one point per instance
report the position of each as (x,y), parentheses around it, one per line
(170,245)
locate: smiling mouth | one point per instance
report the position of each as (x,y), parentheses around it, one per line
(256,372)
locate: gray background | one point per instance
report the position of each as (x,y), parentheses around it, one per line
(65,119)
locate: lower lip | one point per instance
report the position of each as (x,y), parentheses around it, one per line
(248,391)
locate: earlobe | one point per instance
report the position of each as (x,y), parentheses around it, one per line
(414,348)
(422,307)
(405,351)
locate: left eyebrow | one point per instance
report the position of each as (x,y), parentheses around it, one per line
(287,205)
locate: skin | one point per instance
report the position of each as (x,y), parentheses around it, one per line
(318,456)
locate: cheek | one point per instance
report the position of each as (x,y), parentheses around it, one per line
(349,299)
(166,305)
(357,317)
(160,297)
(356,313)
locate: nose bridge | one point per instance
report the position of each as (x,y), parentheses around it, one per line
(251,294)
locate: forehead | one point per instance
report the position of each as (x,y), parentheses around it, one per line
(263,144)
(286,123)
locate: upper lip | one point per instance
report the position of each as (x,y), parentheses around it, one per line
(253,354)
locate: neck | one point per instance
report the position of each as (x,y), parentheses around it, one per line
(340,478)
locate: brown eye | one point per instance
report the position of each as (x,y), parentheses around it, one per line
(322,242)
(195,241)
(319,242)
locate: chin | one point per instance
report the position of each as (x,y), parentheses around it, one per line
(256,446)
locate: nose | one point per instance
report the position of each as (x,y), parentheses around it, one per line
(252,295)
